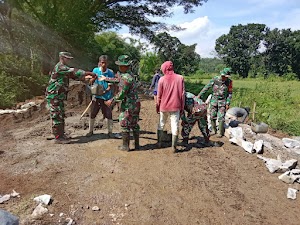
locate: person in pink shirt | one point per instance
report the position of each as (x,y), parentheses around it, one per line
(170,102)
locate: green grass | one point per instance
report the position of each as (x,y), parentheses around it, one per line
(277,102)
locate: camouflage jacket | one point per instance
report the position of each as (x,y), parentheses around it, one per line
(127,93)
(221,90)
(194,105)
(59,80)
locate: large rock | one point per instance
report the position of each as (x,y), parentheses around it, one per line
(276,165)
(291,143)
(8,219)
(290,177)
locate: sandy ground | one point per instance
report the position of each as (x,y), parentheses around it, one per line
(216,185)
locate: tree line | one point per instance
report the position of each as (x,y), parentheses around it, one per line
(259,50)
(33,32)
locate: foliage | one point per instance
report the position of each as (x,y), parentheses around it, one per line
(148,64)
(211,65)
(109,43)
(184,57)
(239,46)
(19,81)
(277,54)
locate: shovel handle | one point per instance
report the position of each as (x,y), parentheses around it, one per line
(87,108)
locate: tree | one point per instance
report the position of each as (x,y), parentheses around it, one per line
(277,55)
(109,43)
(294,43)
(184,57)
(240,46)
(149,62)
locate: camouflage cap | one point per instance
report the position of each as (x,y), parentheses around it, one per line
(226,72)
(123,60)
(67,55)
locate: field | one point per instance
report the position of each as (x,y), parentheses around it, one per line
(277,102)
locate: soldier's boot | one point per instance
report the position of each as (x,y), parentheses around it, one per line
(91,127)
(221,129)
(184,142)
(213,126)
(60,138)
(159,138)
(174,142)
(110,125)
(125,138)
(136,136)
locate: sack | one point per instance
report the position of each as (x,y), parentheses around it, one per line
(97,89)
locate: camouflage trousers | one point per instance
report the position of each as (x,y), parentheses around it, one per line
(217,109)
(129,117)
(189,122)
(57,115)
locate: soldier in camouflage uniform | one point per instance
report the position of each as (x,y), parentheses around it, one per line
(56,93)
(220,100)
(197,111)
(130,103)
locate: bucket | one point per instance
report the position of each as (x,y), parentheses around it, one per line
(259,127)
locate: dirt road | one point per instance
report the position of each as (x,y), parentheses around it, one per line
(218,185)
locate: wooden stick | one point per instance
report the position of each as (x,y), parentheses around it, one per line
(87,108)
(253,115)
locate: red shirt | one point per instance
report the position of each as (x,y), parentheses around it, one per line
(170,93)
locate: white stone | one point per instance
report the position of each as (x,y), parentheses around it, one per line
(95,208)
(39,211)
(291,143)
(276,165)
(237,132)
(70,221)
(258,146)
(28,105)
(288,165)
(288,177)
(247,146)
(4,198)
(15,194)
(43,199)
(292,193)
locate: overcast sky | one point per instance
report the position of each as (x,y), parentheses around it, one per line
(216,17)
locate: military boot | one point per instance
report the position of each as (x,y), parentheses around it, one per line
(174,142)
(159,138)
(60,138)
(184,142)
(213,126)
(136,136)
(221,129)
(125,145)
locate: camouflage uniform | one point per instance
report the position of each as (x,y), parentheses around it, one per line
(196,110)
(221,96)
(56,93)
(130,103)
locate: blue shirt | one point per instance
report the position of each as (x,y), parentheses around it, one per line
(107,73)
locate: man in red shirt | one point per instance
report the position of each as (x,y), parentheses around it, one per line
(170,101)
